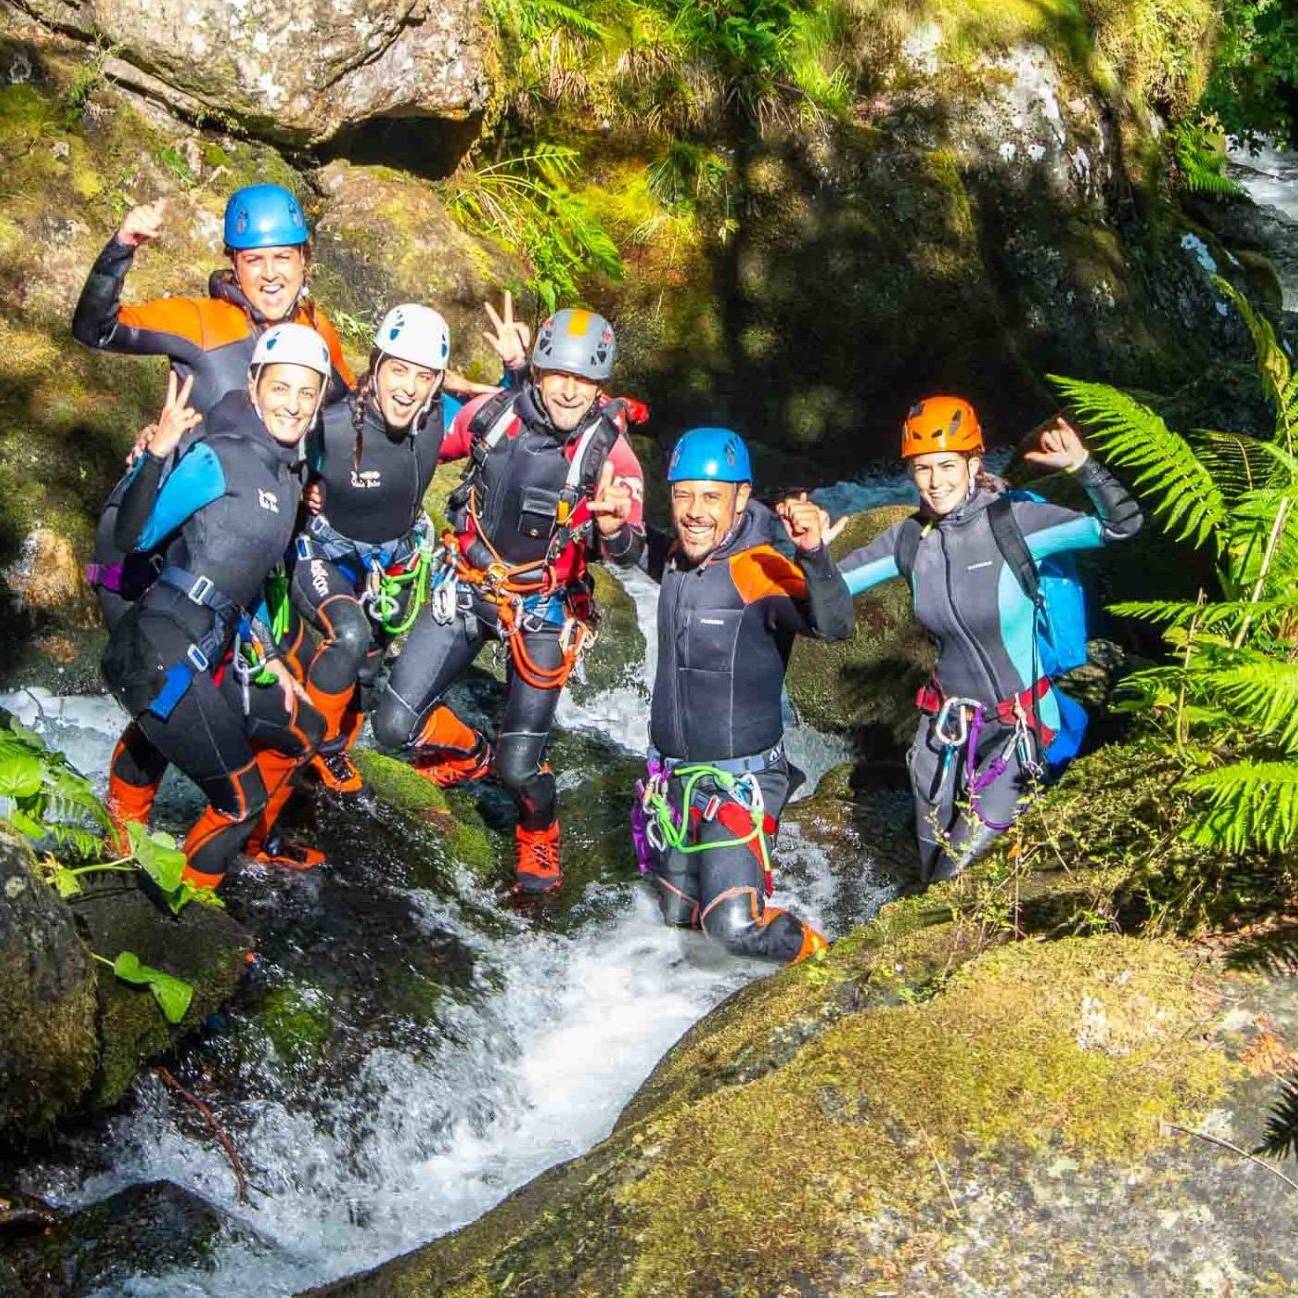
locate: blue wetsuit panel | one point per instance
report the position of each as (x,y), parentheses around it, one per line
(196,481)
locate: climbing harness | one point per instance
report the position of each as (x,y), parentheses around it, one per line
(658,827)
(521,606)
(958,724)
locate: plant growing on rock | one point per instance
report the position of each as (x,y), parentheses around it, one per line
(1227,704)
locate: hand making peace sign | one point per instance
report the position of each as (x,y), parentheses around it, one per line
(508,338)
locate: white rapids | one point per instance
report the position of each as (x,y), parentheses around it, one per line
(534,1071)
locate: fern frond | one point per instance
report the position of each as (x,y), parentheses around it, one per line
(1248,804)
(1238,462)
(1278,378)
(1220,615)
(1264,694)
(1281,1139)
(1185,497)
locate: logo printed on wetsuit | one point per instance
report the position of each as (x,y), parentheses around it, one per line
(987,563)
(268,500)
(369,478)
(319,577)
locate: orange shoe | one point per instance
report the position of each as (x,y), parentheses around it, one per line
(812,944)
(451,769)
(127,803)
(289,856)
(337,771)
(538,869)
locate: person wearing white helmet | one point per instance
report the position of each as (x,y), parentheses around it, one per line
(178,659)
(527,520)
(360,569)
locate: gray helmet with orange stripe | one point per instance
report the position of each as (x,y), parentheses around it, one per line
(576,342)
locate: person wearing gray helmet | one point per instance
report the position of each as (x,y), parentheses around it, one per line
(526,520)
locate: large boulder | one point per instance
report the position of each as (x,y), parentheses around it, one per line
(48,1045)
(289,70)
(958,1098)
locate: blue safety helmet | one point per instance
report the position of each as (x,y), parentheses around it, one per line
(264,216)
(716,454)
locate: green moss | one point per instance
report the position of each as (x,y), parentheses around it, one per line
(453,815)
(298,1020)
(1025,1048)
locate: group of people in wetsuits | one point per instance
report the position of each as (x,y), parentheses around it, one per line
(270,578)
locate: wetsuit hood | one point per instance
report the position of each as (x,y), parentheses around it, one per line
(234,415)
(972,507)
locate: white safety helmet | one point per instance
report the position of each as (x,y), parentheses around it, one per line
(415,333)
(292,344)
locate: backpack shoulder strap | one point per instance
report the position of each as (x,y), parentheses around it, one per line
(489,422)
(909,535)
(1013,545)
(593,448)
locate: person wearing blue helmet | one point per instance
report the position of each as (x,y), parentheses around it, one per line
(209,342)
(729,609)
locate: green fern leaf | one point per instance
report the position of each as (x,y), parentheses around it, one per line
(1282,1123)
(1248,803)
(1184,495)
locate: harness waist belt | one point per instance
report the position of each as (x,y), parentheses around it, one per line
(337,546)
(930,698)
(751,765)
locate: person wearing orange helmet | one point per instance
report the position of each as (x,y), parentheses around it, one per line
(971,556)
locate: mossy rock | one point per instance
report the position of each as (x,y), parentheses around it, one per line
(298,1021)
(47,1001)
(144,1230)
(454,816)
(872,1136)
(202,945)
(865,685)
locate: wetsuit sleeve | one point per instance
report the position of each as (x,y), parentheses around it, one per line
(169,326)
(513,379)
(458,441)
(807,597)
(1052,529)
(873,563)
(196,481)
(649,552)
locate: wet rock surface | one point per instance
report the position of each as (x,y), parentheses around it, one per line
(48,1042)
(139,1232)
(298,72)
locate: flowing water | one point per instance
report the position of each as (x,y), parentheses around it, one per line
(533,1030)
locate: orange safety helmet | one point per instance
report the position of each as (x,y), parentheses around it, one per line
(941,424)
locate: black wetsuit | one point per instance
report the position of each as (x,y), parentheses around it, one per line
(371,514)
(725,631)
(969,600)
(230,506)
(517,499)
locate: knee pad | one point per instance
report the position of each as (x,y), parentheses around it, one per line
(395,725)
(239,796)
(518,758)
(347,627)
(732,918)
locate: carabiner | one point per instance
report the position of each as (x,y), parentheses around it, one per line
(942,722)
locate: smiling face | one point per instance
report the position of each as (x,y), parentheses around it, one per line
(703,513)
(402,390)
(287,397)
(271,279)
(566,397)
(943,479)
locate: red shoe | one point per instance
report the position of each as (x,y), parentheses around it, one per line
(538,869)
(450,769)
(337,771)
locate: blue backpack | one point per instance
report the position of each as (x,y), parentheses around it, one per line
(1055,588)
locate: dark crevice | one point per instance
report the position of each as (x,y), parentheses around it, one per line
(431,147)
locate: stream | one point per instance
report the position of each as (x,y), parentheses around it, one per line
(467,1045)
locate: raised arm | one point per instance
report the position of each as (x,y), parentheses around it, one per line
(873,563)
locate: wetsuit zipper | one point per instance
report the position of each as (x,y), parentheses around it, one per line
(975,648)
